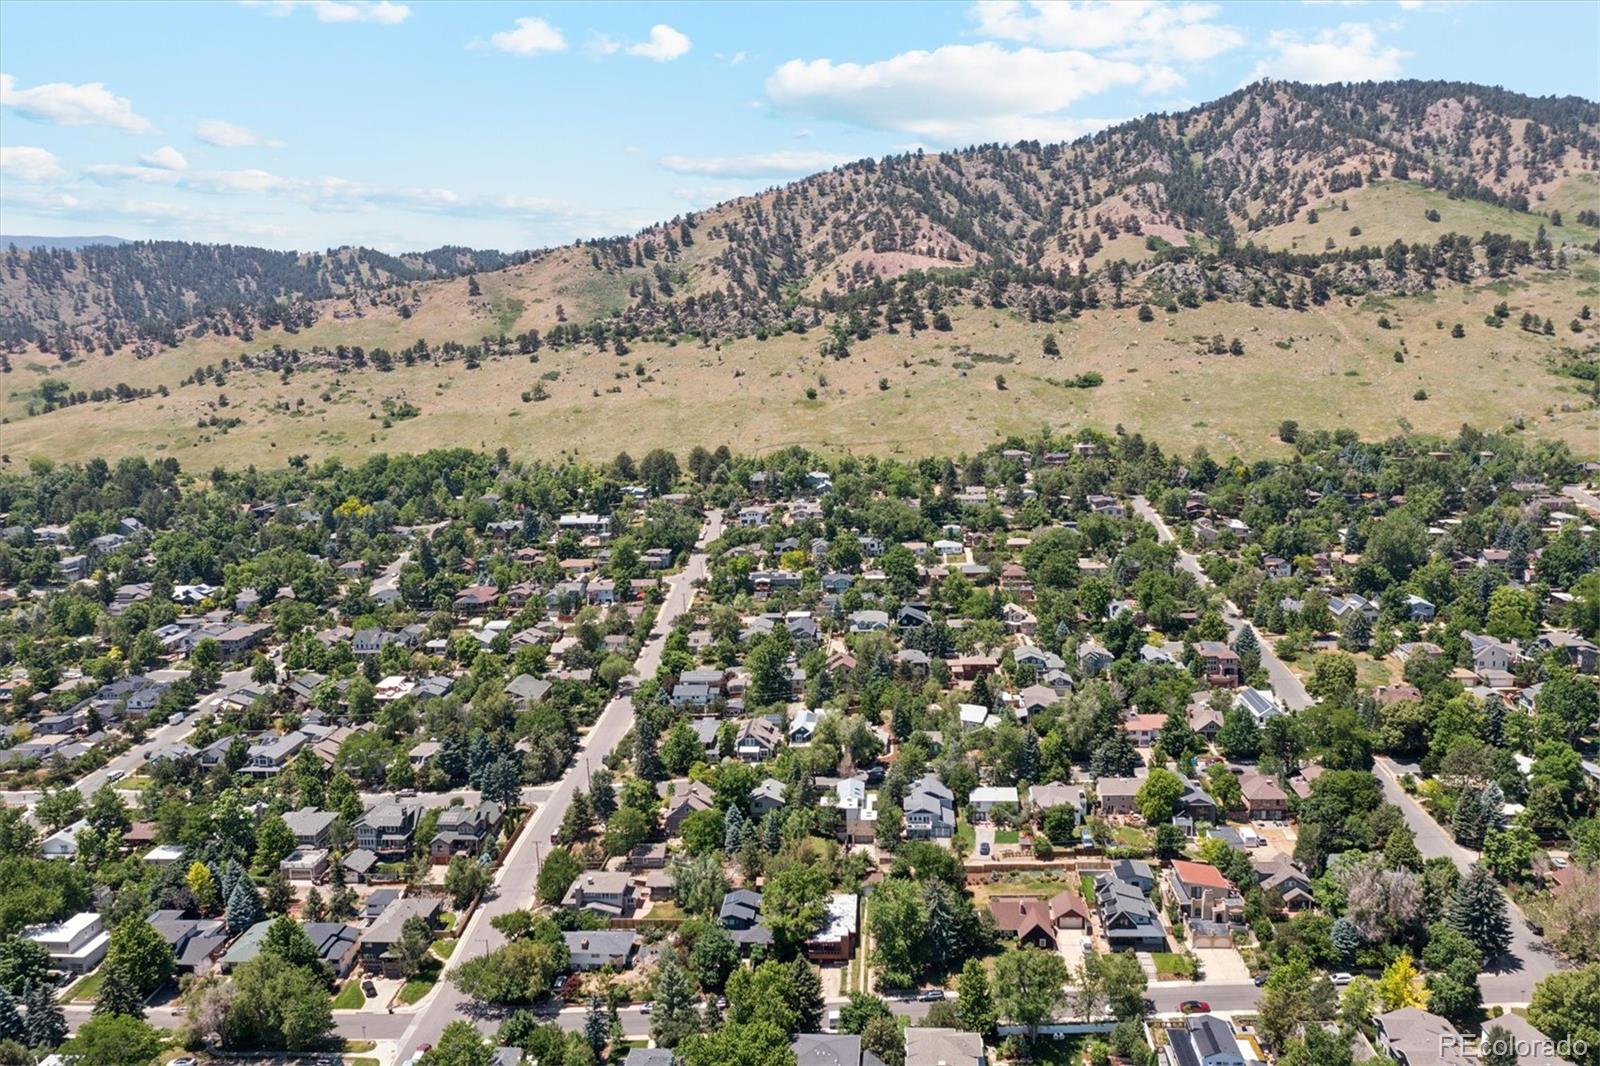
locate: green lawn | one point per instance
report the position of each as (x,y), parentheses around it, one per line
(443,948)
(1169,964)
(1086,889)
(1007,836)
(418,986)
(1129,836)
(86,990)
(350,996)
(965,834)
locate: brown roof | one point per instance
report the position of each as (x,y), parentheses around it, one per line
(1067,902)
(1020,915)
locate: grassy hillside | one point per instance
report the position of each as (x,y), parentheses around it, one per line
(1332,366)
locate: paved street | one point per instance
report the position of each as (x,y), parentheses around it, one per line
(132,760)
(514,886)
(1511,979)
(1588,500)
(1285,683)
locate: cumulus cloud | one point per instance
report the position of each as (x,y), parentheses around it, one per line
(167,158)
(759,165)
(1126,29)
(220,134)
(956,94)
(90,104)
(1349,52)
(664,45)
(33,165)
(531,36)
(382,12)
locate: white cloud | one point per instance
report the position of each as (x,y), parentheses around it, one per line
(33,165)
(531,37)
(956,94)
(72,105)
(380,11)
(665,44)
(1349,52)
(220,134)
(759,165)
(42,200)
(167,158)
(114,173)
(1127,29)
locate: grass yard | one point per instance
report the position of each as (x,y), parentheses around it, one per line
(1007,836)
(1172,966)
(87,989)
(1131,836)
(443,948)
(966,834)
(413,990)
(350,996)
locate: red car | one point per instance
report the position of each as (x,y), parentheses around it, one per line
(1194,1006)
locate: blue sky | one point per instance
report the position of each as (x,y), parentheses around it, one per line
(409,125)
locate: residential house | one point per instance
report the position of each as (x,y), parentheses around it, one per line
(930,810)
(1068,910)
(758,740)
(1117,794)
(75,945)
(1093,657)
(591,949)
(1026,918)
(983,800)
(305,864)
(378,941)
(835,939)
(605,892)
(1128,919)
(935,1046)
(1204,1040)
(196,943)
(386,829)
(1201,891)
(463,829)
(741,917)
(766,797)
(1220,663)
(688,797)
(1264,800)
(1414,1037)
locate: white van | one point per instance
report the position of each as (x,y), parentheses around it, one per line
(832,1023)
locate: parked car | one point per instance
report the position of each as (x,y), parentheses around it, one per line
(647,1008)
(369,989)
(1341,979)
(1194,1006)
(1261,979)
(932,995)
(983,849)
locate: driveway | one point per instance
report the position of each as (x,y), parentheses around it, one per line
(1223,965)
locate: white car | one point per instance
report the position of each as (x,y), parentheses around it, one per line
(1341,979)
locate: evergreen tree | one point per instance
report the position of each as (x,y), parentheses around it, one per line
(1470,820)
(1115,755)
(11,1026)
(596,1026)
(45,1025)
(244,906)
(1400,850)
(119,996)
(602,794)
(1478,912)
(1346,939)
(1249,651)
(806,984)
(675,1015)
(732,830)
